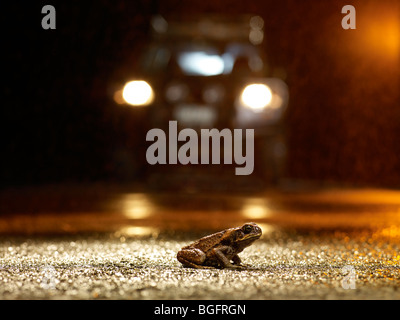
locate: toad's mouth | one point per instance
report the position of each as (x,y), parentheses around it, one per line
(250,237)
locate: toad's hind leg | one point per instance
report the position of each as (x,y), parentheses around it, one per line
(193,258)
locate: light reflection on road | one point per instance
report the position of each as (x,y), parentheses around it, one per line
(143,214)
(136,206)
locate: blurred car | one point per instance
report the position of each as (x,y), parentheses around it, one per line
(212,72)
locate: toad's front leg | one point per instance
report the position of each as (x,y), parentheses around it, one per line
(221,253)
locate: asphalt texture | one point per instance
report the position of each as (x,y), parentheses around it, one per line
(337,244)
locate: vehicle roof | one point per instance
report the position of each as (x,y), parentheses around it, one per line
(210,26)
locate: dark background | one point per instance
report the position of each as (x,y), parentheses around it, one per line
(59,123)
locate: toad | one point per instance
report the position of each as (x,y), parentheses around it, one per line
(221,249)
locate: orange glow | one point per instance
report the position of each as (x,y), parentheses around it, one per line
(376,40)
(379,25)
(383,36)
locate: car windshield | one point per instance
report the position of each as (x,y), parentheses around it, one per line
(203,60)
(203,63)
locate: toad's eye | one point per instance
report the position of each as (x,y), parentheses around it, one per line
(247,229)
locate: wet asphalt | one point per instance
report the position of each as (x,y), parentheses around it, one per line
(320,245)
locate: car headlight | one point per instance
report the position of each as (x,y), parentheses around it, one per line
(138,93)
(262,101)
(256,96)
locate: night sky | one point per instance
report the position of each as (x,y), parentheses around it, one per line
(59,123)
